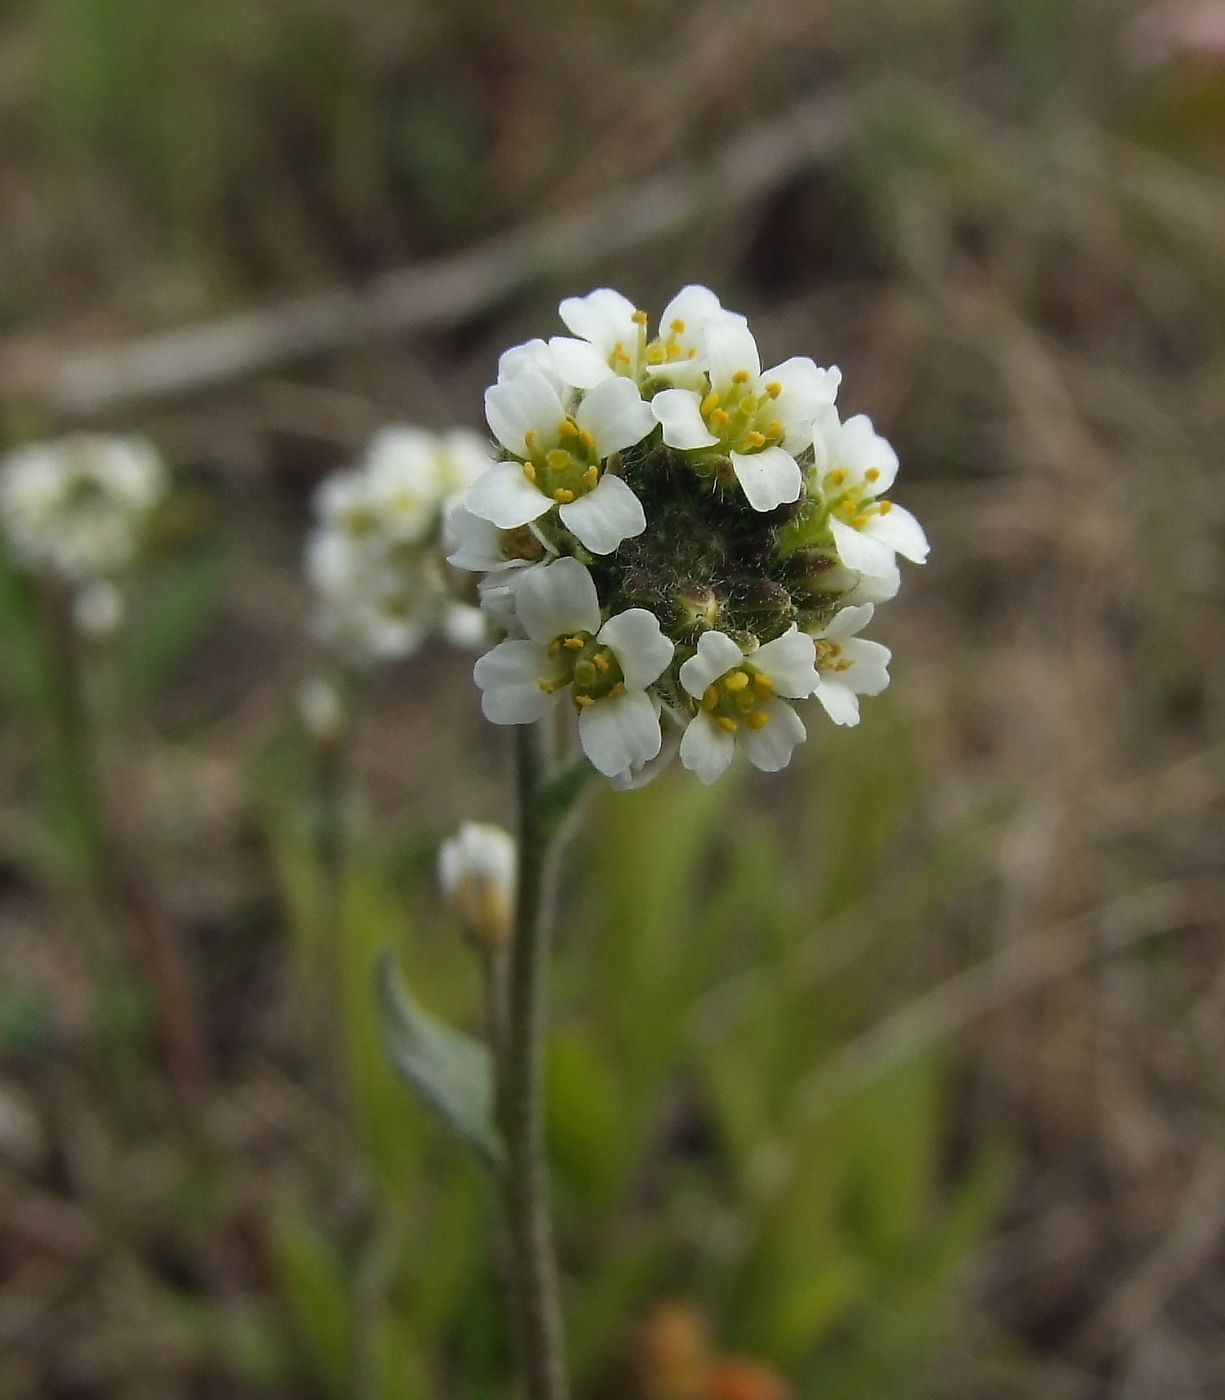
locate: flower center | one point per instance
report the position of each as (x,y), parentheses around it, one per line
(743,421)
(668,348)
(585,664)
(853,502)
(520,543)
(739,697)
(830,657)
(567,471)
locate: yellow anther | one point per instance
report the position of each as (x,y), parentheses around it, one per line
(774,428)
(529,471)
(872,474)
(546,685)
(601,661)
(678,326)
(736,681)
(672,352)
(617,691)
(758,719)
(836,478)
(835,649)
(741,377)
(591,476)
(584,700)
(763,686)
(774,389)
(586,439)
(639,318)
(710,402)
(724,723)
(859,521)
(719,418)
(562,496)
(529,438)
(843,665)
(886,507)
(553,650)
(693,353)
(573,644)
(621,357)
(755,439)
(585,674)
(567,428)
(710,698)
(824,650)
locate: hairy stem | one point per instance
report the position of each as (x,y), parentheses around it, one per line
(532,1265)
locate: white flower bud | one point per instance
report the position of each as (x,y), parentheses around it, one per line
(476,869)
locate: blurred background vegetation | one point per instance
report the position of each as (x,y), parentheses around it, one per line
(897,1075)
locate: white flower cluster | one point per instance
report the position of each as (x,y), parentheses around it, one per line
(677,542)
(78,509)
(373,557)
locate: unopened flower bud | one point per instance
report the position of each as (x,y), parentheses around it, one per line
(698,608)
(476,869)
(765,598)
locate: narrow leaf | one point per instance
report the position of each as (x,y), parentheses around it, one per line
(452,1073)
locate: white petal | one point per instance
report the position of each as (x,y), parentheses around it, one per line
(639,776)
(873,588)
(900,531)
(509,676)
(555,599)
(475,543)
(826,435)
(615,415)
(465,456)
(840,701)
(790,662)
(620,734)
(868,673)
(603,317)
(527,403)
(860,552)
(696,306)
(465,626)
(730,348)
(534,355)
(679,412)
(769,748)
(768,478)
(847,621)
(638,643)
(862,449)
(579,363)
(706,749)
(716,655)
(505,497)
(605,516)
(807,391)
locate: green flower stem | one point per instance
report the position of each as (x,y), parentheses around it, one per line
(543,807)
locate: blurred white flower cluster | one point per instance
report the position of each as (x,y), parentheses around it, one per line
(373,557)
(678,543)
(78,509)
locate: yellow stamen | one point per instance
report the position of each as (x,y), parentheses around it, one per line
(573,643)
(567,428)
(755,439)
(859,521)
(621,357)
(529,471)
(591,476)
(672,352)
(774,388)
(740,377)
(546,685)
(774,428)
(872,474)
(886,507)
(836,478)
(736,681)
(617,691)
(758,719)
(562,496)
(678,326)
(553,650)
(710,402)
(843,665)
(586,439)
(835,649)
(601,661)
(529,438)
(719,418)
(639,318)
(724,723)
(710,698)
(763,685)
(584,700)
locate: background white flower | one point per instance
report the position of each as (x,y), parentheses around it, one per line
(739,701)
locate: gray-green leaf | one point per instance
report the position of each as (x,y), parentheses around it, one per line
(451,1072)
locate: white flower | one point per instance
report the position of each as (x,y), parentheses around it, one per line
(79,506)
(854,466)
(464,626)
(760,421)
(849,666)
(369,609)
(561,457)
(479,546)
(739,702)
(605,669)
(476,869)
(612,338)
